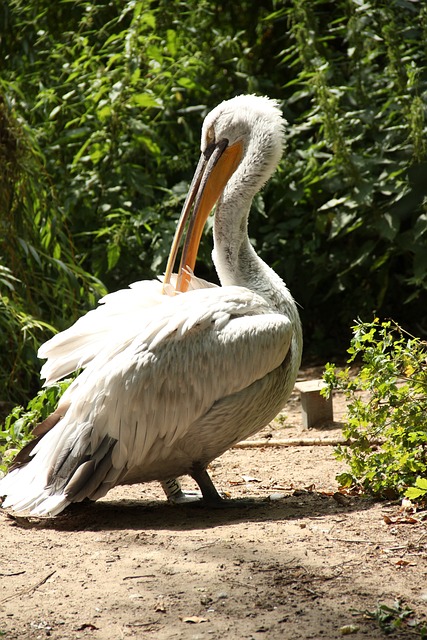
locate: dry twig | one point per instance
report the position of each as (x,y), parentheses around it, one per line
(291,442)
(27,590)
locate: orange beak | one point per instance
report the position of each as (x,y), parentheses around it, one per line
(216,166)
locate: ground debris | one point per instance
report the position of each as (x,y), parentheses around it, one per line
(194,619)
(292,568)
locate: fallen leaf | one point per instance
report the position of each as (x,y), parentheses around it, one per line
(348,629)
(250,479)
(401,520)
(277,495)
(160,605)
(410,520)
(87,625)
(407,505)
(194,620)
(340,498)
(413,623)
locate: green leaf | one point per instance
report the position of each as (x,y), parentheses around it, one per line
(413,493)
(113,254)
(145,100)
(421,483)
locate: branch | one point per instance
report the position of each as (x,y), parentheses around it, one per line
(304,442)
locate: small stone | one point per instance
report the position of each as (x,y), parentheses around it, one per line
(348,629)
(276,496)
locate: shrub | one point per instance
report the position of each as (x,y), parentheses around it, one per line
(387,407)
(17,428)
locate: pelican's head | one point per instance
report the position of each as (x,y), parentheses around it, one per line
(243,135)
(252,125)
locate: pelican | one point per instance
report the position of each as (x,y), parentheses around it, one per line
(174,372)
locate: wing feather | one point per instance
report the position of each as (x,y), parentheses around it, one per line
(201,357)
(142,390)
(75,347)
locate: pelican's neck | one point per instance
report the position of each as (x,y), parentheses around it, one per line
(234,257)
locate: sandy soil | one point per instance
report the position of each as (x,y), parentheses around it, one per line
(301,562)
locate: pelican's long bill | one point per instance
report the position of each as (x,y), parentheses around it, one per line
(216,166)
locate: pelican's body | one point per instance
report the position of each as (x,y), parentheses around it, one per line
(170,381)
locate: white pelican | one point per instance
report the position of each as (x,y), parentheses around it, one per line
(170,379)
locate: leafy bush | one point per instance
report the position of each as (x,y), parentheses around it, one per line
(350,213)
(20,422)
(41,279)
(387,407)
(397,617)
(419,491)
(100,111)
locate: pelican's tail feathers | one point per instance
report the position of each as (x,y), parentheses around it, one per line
(25,493)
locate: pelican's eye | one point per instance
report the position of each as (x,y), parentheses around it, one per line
(210,142)
(210,135)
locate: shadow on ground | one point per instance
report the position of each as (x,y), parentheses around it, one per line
(159,515)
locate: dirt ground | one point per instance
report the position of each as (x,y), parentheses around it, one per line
(302,562)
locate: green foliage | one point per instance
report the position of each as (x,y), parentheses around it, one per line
(101,105)
(19,424)
(40,278)
(391,618)
(100,109)
(418,491)
(387,407)
(119,118)
(353,185)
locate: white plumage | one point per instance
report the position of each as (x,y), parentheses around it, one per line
(170,382)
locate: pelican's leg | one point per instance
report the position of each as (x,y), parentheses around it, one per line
(176,495)
(211,497)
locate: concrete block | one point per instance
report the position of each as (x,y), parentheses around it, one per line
(315,408)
